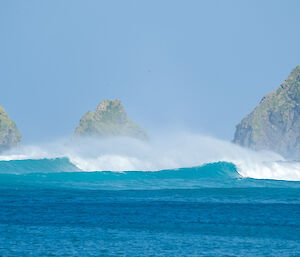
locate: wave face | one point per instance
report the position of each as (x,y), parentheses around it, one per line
(160,163)
(62,173)
(37,166)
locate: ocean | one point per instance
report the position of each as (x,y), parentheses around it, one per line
(48,207)
(182,196)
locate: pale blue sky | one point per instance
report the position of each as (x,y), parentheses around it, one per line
(200,65)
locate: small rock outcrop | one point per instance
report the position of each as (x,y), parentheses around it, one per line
(109,119)
(9,133)
(275,123)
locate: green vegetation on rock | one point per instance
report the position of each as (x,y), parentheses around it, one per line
(109,119)
(9,134)
(275,123)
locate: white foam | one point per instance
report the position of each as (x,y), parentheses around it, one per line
(167,151)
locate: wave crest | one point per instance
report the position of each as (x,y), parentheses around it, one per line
(172,151)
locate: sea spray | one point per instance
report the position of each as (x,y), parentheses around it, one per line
(165,151)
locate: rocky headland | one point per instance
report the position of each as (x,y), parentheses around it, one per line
(9,133)
(275,123)
(108,120)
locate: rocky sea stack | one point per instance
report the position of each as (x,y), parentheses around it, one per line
(275,123)
(109,119)
(9,133)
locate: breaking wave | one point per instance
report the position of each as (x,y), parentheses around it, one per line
(168,156)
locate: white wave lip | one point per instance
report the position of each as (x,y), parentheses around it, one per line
(169,151)
(108,163)
(271,170)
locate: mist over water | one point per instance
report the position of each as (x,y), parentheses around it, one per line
(163,151)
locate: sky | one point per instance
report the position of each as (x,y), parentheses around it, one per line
(196,65)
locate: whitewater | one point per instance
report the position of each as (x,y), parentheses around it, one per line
(169,151)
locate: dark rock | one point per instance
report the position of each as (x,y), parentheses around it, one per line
(9,133)
(109,119)
(275,123)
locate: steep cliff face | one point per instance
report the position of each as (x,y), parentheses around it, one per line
(109,119)
(9,134)
(275,123)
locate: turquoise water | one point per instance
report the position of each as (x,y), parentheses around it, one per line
(49,207)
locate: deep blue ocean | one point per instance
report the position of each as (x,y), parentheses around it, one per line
(49,207)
